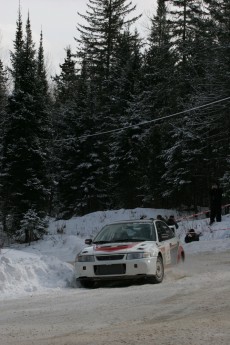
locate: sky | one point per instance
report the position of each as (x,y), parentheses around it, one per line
(46,266)
(58,20)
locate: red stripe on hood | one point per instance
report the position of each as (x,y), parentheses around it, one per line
(112,248)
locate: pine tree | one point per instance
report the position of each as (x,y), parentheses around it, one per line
(105,21)
(200,141)
(44,125)
(24,158)
(17,55)
(187,27)
(216,86)
(155,100)
(66,131)
(224,34)
(7,204)
(3,120)
(41,72)
(126,146)
(3,100)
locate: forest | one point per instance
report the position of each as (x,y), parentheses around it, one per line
(128,122)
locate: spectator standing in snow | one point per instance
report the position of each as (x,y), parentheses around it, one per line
(159,217)
(192,236)
(1,244)
(172,221)
(215,203)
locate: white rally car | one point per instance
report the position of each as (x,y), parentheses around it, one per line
(128,250)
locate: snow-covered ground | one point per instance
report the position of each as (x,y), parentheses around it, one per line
(45,266)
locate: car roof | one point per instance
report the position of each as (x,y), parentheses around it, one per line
(140,221)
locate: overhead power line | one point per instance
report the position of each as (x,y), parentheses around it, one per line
(150,121)
(155,120)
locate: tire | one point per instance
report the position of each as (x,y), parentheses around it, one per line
(158,278)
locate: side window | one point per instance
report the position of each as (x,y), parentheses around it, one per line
(168,232)
(164,232)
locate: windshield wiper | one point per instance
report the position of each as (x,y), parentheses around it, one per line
(121,240)
(128,240)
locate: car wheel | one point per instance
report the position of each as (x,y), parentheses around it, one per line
(159,276)
(88,284)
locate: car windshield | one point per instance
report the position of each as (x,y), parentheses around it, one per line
(125,232)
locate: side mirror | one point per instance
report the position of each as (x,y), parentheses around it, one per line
(88,241)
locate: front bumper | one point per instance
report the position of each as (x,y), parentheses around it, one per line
(119,270)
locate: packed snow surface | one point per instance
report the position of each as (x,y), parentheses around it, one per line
(47,264)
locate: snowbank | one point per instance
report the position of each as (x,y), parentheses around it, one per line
(24,273)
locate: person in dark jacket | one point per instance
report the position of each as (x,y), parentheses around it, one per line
(1,244)
(192,236)
(159,217)
(172,221)
(215,203)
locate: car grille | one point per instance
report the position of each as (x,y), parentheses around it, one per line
(109,269)
(109,257)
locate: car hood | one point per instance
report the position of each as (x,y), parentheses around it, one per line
(119,247)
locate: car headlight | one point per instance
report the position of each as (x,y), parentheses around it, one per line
(138,255)
(85,258)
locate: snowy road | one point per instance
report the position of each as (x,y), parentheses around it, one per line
(191,306)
